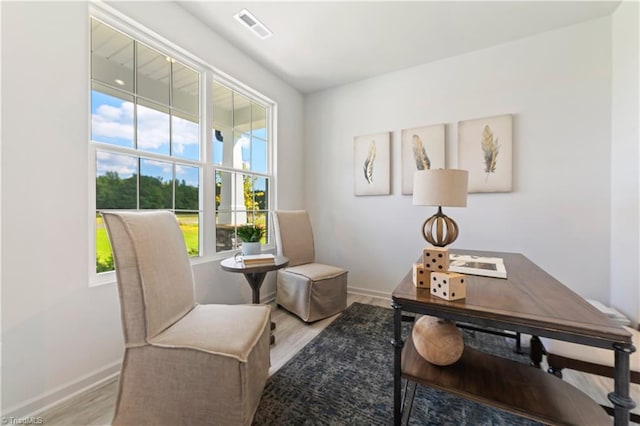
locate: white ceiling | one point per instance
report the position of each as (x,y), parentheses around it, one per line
(317,45)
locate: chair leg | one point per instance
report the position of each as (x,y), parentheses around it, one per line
(537,350)
(555,371)
(518,348)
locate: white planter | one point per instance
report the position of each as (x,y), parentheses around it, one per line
(251,248)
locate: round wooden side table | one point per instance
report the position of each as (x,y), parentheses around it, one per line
(254,275)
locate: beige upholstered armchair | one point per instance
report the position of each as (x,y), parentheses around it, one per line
(184,363)
(310,290)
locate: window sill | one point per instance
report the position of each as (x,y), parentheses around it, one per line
(107,278)
(103,278)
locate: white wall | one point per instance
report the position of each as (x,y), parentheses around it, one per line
(625,175)
(59,334)
(557,85)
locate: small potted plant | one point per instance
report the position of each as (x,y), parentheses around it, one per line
(250,235)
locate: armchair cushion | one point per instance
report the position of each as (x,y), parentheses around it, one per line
(589,354)
(316,271)
(195,330)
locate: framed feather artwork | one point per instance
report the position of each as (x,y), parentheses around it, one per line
(372,164)
(422,148)
(485,149)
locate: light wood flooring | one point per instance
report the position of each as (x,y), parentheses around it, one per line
(95,406)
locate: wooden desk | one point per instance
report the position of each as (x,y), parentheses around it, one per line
(529,301)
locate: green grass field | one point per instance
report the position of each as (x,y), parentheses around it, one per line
(104,258)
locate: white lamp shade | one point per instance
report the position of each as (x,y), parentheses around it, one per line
(441,187)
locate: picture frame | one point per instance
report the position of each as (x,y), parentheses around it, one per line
(422,148)
(372,164)
(477,265)
(485,149)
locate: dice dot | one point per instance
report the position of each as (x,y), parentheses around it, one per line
(444,281)
(444,293)
(439,266)
(434,278)
(453,295)
(428,265)
(461,280)
(439,254)
(434,290)
(439,285)
(428,254)
(421,271)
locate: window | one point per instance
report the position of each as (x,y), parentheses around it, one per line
(241,157)
(162,138)
(145,127)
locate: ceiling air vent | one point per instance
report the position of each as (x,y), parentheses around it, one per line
(248,20)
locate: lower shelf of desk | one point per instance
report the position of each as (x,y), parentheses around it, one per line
(507,385)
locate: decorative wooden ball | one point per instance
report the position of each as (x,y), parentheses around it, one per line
(437,340)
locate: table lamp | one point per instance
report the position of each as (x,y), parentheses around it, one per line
(441,187)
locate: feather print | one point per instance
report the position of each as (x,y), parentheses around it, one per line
(368,163)
(491,149)
(420,155)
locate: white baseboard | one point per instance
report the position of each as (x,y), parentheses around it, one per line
(371,293)
(45,401)
(60,394)
(271,297)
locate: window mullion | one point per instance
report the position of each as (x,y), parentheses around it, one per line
(246,172)
(171,109)
(139,165)
(173,187)
(208,192)
(146,154)
(135,95)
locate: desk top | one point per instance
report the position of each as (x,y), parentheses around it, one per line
(231,264)
(529,301)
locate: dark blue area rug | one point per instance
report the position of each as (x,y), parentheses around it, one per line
(344,377)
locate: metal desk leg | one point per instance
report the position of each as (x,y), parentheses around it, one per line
(407,405)
(397,344)
(622,403)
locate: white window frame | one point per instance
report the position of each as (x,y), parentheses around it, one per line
(208,73)
(270,163)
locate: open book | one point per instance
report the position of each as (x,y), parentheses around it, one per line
(477,265)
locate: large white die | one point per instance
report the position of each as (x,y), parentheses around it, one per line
(420,276)
(448,285)
(435,259)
